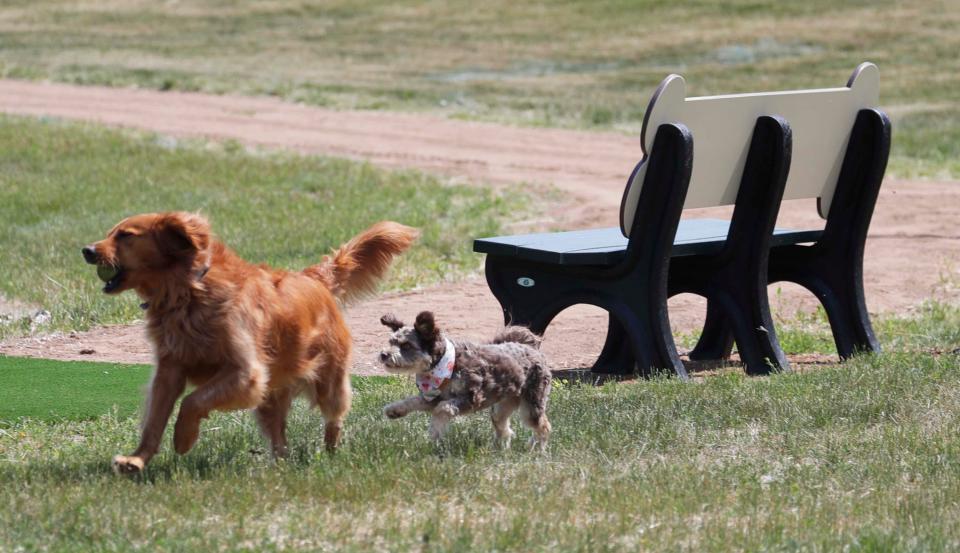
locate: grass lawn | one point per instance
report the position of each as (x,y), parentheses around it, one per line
(575,63)
(863,456)
(46,390)
(64,185)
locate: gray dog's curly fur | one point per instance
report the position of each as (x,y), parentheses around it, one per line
(507,374)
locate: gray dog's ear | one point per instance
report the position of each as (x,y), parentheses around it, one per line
(425,326)
(391,320)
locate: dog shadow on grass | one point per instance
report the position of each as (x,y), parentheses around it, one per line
(201,466)
(234,447)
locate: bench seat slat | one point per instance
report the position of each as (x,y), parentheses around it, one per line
(607,246)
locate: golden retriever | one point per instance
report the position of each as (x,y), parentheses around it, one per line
(247,336)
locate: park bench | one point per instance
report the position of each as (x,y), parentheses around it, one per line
(752,151)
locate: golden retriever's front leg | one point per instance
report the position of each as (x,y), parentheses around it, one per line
(406,406)
(231,388)
(168,383)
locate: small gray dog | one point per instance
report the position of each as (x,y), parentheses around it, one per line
(457,378)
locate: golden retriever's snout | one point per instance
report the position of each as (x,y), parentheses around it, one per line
(89,255)
(110,274)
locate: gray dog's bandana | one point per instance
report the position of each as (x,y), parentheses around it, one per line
(429,383)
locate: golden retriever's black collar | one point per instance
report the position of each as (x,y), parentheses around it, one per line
(202,273)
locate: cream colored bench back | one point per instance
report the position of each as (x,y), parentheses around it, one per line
(722,126)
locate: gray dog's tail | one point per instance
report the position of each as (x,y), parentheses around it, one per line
(518,335)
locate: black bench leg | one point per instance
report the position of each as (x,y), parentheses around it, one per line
(641,354)
(847,312)
(755,335)
(734,281)
(617,355)
(716,339)
(833,267)
(752,328)
(650,338)
(838,284)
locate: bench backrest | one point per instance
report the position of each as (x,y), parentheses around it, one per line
(820,120)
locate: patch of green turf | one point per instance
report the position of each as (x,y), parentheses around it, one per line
(573,63)
(65,185)
(46,390)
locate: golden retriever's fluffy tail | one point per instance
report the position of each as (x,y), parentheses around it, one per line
(352,271)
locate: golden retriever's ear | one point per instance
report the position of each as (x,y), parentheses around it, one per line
(181,233)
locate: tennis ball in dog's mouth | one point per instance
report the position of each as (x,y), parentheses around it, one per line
(107,272)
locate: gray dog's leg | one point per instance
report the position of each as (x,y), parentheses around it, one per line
(406,406)
(443,413)
(500,417)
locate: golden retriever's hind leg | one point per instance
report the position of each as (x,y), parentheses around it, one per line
(272,416)
(332,396)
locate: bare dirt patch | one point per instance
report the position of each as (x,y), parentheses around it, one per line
(912,252)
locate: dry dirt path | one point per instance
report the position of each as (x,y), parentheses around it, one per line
(911,253)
